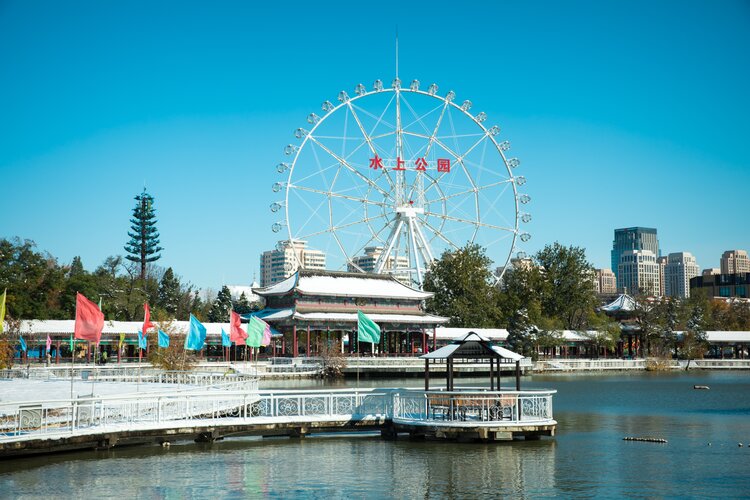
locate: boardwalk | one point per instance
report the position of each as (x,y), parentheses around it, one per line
(104,422)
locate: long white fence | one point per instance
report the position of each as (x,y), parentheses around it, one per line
(60,418)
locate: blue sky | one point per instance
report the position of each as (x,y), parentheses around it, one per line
(623,114)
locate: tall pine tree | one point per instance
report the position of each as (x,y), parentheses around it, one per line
(219,312)
(143,246)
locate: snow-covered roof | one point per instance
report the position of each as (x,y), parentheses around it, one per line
(728,337)
(344,284)
(377,318)
(470,345)
(622,303)
(66,327)
(450,333)
(237,290)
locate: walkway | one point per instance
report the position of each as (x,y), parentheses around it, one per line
(103,422)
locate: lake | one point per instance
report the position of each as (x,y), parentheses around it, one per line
(587,458)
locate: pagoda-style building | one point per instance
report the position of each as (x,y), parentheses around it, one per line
(312,307)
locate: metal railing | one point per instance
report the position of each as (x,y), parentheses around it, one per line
(487,407)
(134,375)
(34,419)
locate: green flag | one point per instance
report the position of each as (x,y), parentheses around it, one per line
(255,329)
(2,310)
(367,330)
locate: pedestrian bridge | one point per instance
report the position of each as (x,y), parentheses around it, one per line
(207,415)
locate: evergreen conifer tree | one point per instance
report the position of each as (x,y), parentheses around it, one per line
(222,305)
(143,246)
(170,291)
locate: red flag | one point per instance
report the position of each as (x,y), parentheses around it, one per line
(236,333)
(89,320)
(146,318)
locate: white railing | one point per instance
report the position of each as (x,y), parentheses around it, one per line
(357,403)
(487,407)
(590,364)
(236,381)
(736,364)
(32,419)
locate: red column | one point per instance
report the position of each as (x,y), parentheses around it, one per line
(434,337)
(283,345)
(88,352)
(308,341)
(295,347)
(424,341)
(57,352)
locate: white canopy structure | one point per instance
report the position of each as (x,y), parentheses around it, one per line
(474,347)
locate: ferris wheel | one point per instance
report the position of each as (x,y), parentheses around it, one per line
(387,179)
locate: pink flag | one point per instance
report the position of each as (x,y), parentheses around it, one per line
(89,320)
(266,335)
(146,318)
(236,333)
(49,342)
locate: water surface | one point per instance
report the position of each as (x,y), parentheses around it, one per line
(587,459)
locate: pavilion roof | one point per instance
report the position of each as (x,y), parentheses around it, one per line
(622,303)
(472,345)
(346,317)
(330,283)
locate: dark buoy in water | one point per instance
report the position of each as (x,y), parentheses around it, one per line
(704,387)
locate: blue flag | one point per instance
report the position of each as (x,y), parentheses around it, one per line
(23,343)
(163,339)
(142,340)
(196,337)
(225,342)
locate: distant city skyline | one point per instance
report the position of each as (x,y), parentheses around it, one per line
(614,122)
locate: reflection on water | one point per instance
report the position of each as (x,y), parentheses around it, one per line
(587,459)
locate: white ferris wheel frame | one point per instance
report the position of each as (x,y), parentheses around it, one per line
(405,215)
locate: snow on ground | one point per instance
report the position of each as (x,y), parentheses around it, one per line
(26,390)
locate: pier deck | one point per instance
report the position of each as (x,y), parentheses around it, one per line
(105,422)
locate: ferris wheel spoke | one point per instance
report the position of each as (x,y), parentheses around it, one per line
(468,191)
(356,172)
(379,119)
(341,226)
(368,140)
(438,233)
(338,195)
(420,118)
(437,127)
(375,236)
(468,221)
(313,211)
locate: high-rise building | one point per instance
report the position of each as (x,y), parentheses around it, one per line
(605,281)
(280,263)
(367,263)
(662,262)
(735,262)
(633,238)
(638,272)
(681,266)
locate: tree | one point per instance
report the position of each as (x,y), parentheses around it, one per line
(602,333)
(464,289)
(220,308)
(243,306)
(174,357)
(566,289)
(695,341)
(522,334)
(170,292)
(34,280)
(669,336)
(143,246)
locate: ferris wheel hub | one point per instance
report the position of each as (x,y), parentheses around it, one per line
(409,211)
